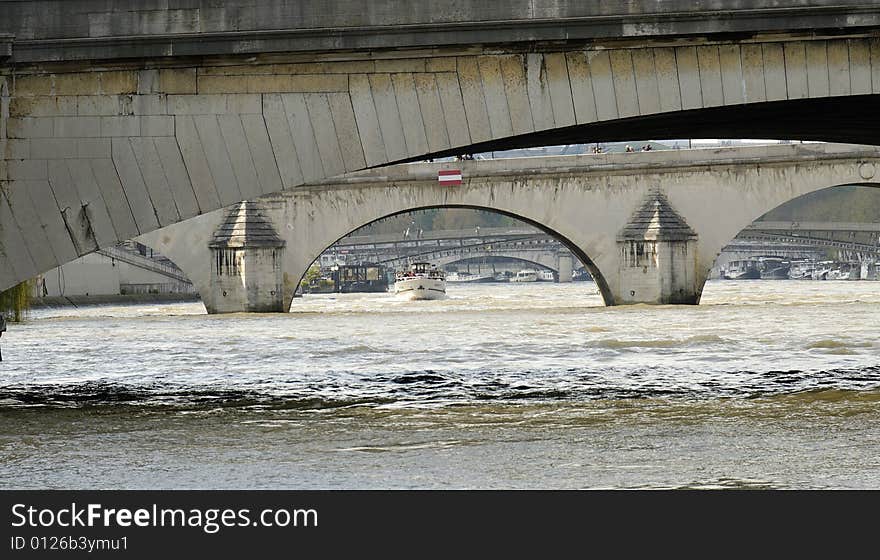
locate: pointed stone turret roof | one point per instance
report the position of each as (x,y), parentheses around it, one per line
(656,220)
(245,226)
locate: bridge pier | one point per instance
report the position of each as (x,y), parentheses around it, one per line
(565,266)
(246,266)
(657,256)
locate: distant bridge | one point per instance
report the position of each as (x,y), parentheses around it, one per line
(543,251)
(806,227)
(857,239)
(792,239)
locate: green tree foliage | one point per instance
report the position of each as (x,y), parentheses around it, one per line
(314,282)
(312,276)
(837,204)
(15,302)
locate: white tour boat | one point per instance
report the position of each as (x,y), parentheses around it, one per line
(422,281)
(525,276)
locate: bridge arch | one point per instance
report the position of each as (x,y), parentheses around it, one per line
(304,259)
(797,229)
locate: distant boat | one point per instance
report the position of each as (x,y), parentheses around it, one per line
(422,281)
(468,278)
(824,270)
(525,275)
(774,268)
(360,278)
(838,274)
(741,270)
(546,276)
(801,270)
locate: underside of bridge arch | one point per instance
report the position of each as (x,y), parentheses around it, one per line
(318,247)
(852,119)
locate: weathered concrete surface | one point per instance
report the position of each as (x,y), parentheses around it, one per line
(586,201)
(89,30)
(92,157)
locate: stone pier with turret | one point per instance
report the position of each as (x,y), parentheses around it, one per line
(658,256)
(246,264)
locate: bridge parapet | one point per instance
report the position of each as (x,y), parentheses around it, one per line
(655,162)
(56,30)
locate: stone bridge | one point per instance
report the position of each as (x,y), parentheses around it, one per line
(120,118)
(648,226)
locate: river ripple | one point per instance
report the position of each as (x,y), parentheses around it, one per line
(765,384)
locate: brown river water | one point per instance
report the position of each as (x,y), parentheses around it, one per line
(766,384)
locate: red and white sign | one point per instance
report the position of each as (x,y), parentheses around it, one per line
(449,177)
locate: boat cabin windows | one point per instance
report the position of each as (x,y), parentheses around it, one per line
(423,269)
